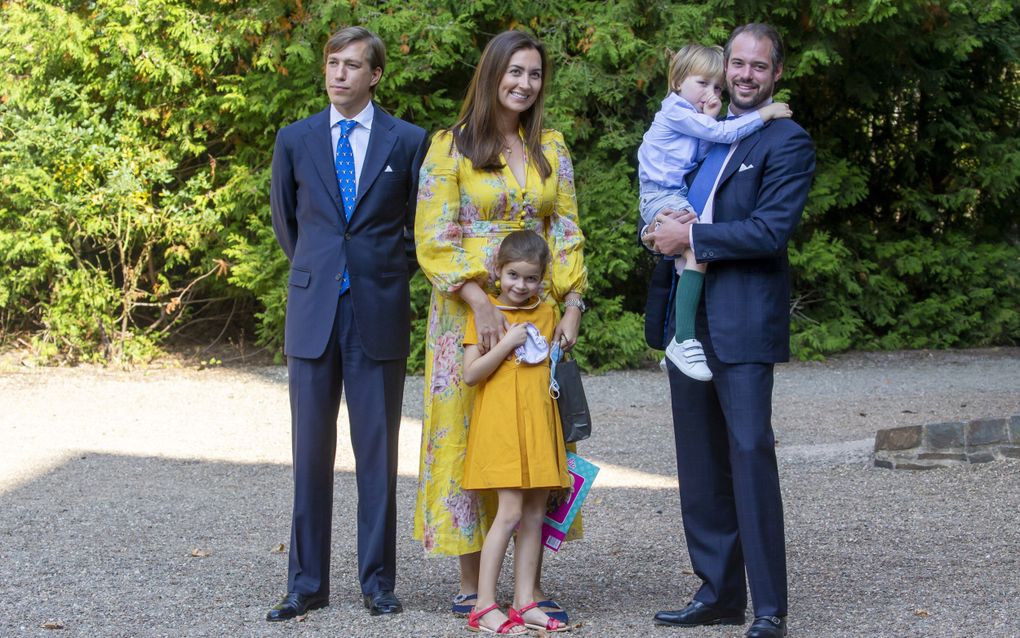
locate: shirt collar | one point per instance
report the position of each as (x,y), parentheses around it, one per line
(364,119)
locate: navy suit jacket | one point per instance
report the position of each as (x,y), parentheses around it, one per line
(376,246)
(758,204)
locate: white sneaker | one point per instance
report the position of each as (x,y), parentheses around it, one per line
(689,357)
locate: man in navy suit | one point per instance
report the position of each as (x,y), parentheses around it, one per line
(344,185)
(726,461)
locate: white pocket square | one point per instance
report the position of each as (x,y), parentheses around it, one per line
(388,169)
(745,167)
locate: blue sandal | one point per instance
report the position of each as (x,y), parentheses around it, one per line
(461,606)
(553,610)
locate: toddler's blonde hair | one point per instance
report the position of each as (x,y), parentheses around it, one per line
(695,59)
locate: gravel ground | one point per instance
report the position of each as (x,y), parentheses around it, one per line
(154,502)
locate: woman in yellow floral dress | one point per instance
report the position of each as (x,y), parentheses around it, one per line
(496,170)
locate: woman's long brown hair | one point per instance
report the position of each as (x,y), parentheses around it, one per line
(476,132)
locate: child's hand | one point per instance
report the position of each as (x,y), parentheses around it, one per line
(516,335)
(774,111)
(713,105)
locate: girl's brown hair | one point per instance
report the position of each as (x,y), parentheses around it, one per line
(476,132)
(523,245)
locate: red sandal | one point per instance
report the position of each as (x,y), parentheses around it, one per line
(504,629)
(552,625)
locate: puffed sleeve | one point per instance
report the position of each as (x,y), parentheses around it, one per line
(437,233)
(567,270)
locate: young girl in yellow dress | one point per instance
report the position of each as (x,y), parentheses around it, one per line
(515,441)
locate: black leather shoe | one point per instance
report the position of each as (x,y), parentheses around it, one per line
(696,614)
(294,605)
(383,602)
(767,627)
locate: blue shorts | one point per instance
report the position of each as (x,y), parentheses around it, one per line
(655,198)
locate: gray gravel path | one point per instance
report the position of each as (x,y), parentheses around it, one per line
(151,503)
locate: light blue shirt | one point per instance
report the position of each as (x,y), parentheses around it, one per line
(678,140)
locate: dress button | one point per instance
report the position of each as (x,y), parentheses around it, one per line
(339,276)
(347,235)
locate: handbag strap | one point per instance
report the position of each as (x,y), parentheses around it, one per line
(554,356)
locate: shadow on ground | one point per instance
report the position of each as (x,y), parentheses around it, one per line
(104,544)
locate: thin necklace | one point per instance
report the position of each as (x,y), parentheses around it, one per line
(507,148)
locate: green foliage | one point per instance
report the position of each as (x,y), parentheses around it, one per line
(107,207)
(135,141)
(919,293)
(618,338)
(421,290)
(910,236)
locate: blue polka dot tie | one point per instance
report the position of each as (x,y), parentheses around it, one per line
(345,178)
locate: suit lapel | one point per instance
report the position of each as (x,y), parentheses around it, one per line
(380,143)
(319,142)
(739,155)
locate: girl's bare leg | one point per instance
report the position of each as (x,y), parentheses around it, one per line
(508,516)
(528,552)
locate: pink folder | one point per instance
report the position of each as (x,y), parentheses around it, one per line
(560,517)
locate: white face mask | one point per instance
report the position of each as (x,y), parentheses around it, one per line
(534,349)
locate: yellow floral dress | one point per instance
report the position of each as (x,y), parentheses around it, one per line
(462,216)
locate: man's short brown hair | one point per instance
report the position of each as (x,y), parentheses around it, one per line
(375,49)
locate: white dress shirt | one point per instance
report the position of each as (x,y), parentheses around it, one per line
(358,137)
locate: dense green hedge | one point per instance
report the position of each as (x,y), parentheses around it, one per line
(135,140)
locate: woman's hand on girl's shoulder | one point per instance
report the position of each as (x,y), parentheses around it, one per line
(490,324)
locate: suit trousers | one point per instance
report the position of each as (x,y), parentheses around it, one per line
(374,397)
(730,498)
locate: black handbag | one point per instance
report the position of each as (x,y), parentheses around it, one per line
(565,386)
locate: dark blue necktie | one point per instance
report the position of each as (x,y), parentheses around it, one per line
(345,178)
(701,188)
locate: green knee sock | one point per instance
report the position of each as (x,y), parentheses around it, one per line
(688,293)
